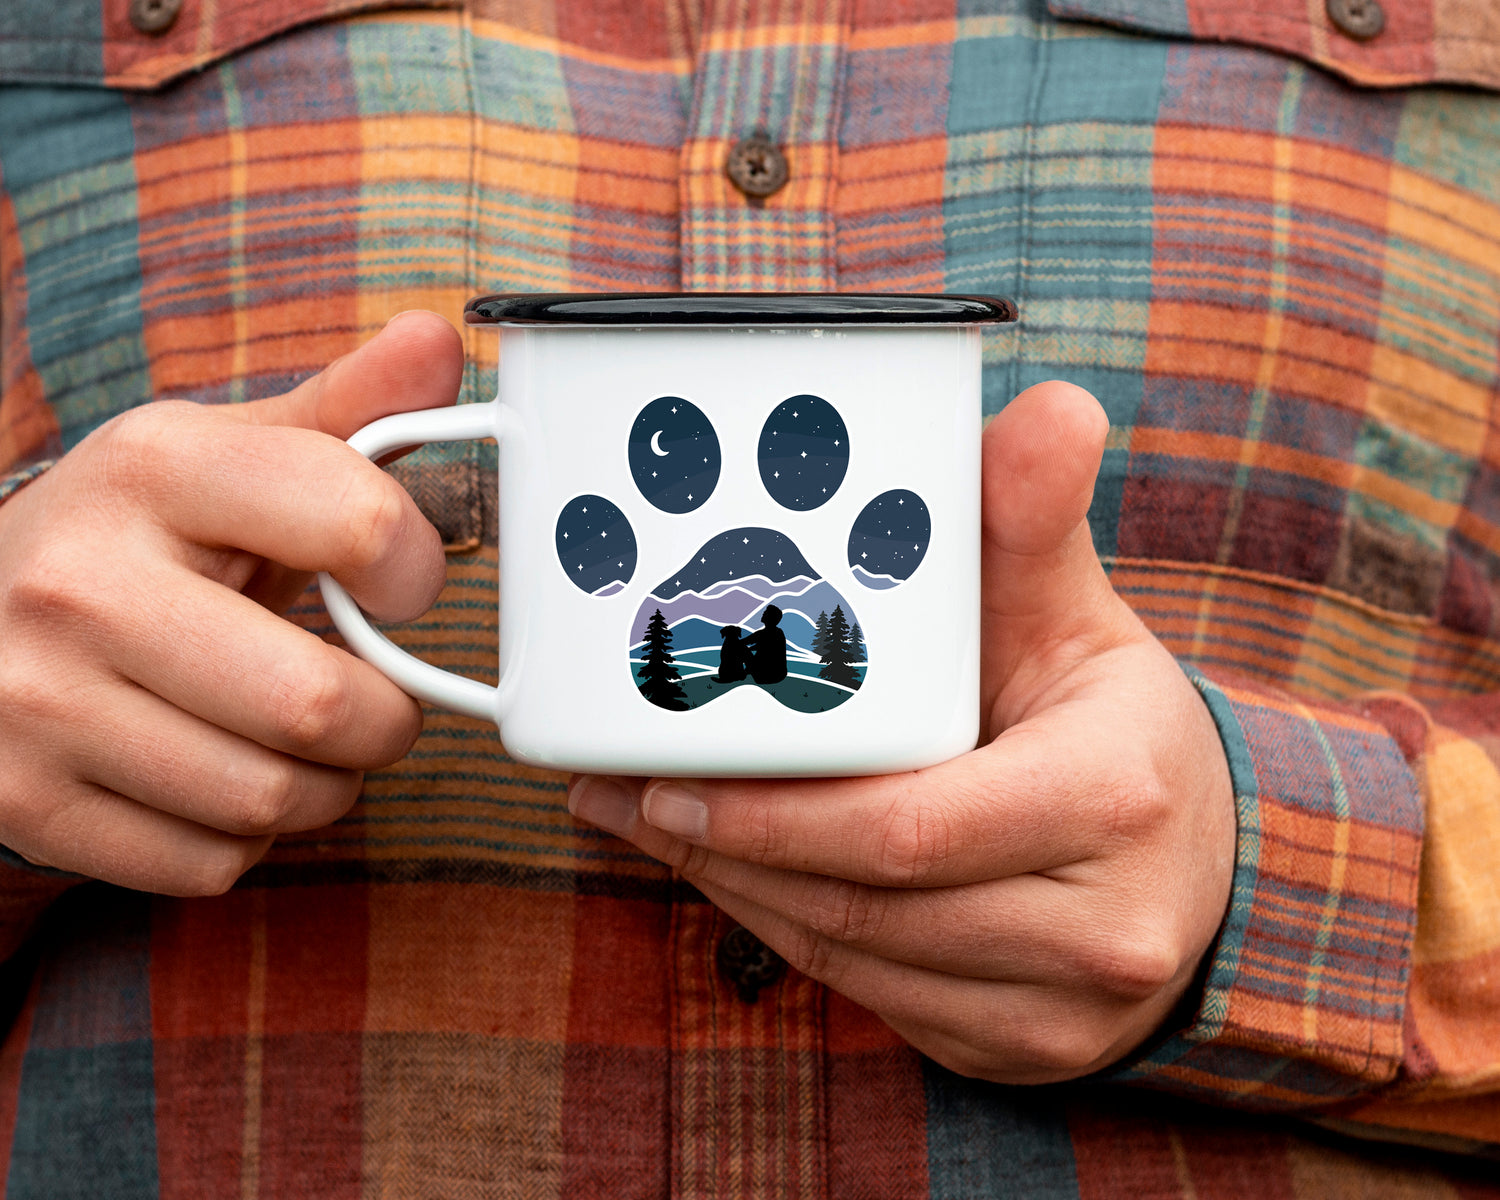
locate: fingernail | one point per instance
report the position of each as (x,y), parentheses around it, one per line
(675,810)
(604,803)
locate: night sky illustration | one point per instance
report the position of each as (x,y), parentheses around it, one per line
(674,454)
(891,534)
(804,452)
(734,555)
(595,543)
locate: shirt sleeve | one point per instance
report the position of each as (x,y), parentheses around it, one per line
(1352,978)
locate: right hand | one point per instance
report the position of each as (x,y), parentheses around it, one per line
(160,722)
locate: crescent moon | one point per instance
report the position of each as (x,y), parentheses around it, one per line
(655,448)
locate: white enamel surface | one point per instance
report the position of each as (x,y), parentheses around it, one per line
(567,697)
(910,399)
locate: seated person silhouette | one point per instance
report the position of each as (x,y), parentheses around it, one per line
(734,658)
(767,647)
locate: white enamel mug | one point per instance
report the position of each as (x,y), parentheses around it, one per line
(739,533)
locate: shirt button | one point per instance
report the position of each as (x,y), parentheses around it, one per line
(1358,19)
(748,963)
(154,16)
(757,166)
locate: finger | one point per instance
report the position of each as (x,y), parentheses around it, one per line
(1042,582)
(89,830)
(1026,929)
(299,498)
(220,656)
(1008,1032)
(152,752)
(415,362)
(1028,801)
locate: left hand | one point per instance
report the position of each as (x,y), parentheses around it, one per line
(1035,909)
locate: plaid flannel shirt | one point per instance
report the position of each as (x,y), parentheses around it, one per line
(1280,273)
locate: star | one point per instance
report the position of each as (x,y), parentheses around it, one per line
(606,534)
(902,500)
(804,454)
(835,441)
(653,474)
(745,540)
(703,560)
(585,510)
(674,408)
(794,412)
(565,537)
(865,554)
(690,495)
(775,474)
(778,562)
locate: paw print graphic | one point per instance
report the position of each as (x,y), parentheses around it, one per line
(746,609)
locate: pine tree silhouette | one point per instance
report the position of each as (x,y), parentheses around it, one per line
(659,677)
(820,634)
(836,651)
(856,645)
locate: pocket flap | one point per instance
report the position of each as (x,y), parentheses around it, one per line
(1422,41)
(96,42)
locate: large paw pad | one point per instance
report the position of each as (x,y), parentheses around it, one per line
(747,609)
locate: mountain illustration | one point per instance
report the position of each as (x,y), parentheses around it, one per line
(872,580)
(741,603)
(694,633)
(747,611)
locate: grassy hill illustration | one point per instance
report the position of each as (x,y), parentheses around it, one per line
(678,637)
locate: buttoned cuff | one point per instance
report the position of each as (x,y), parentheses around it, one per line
(1305,988)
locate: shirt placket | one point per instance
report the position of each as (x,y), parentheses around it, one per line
(777,68)
(748,1097)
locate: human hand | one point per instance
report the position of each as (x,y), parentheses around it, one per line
(1035,909)
(159,722)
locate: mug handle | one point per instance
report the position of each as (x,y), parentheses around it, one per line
(415,677)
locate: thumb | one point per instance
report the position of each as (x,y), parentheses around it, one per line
(1042,581)
(416,361)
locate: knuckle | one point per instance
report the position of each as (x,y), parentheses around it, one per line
(214,872)
(766,839)
(692,862)
(811,954)
(1135,805)
(374,519)
(912,843)
(858,914)
(309,706)
(1063,1050)
(1136,968)
(51,582)
(134,444)
(262,804)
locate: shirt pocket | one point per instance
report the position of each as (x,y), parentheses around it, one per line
(1416,42)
